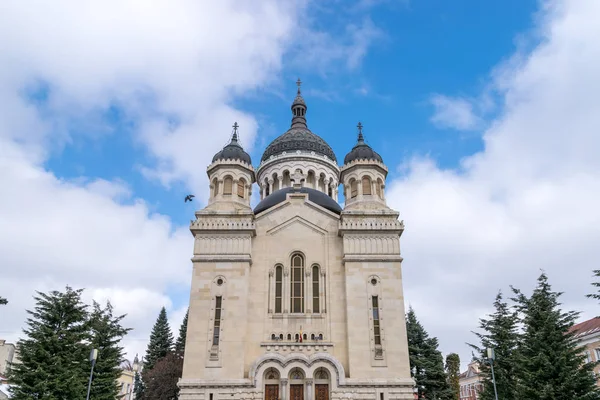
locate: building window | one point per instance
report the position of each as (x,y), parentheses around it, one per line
(227,186)
(588,356)
(597,354)
(376,330)
(278,288)
(366,185)
(217,328)
(297,284)
(241,186)
(353,188)
(315,288)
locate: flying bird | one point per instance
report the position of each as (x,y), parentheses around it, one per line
(189,197)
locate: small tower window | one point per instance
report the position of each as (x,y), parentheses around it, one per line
(376,327)
(217,328)
(353,188)
(227,186)
(366,185)
(315,288)
(241,186)
(297,284)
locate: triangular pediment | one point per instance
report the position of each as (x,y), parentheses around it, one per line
(295,221)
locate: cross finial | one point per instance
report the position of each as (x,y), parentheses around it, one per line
(360,134)
(299,83)
(235,128)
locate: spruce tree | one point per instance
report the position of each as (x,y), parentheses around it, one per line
(596,284)
(54,356)
(138,386)
(106,334)
(180,343)
(426,362)
(550,366)
(161,340)
(453,372)
(500,333)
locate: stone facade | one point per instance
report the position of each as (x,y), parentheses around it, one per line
(303,299)
(8,355)
(587,334)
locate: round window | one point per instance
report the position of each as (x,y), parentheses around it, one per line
(219,281)
(373,281)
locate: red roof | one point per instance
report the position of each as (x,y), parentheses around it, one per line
(586,327)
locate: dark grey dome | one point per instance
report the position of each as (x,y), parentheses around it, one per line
(233,151)
(298,137)
(361,151)
(314,195)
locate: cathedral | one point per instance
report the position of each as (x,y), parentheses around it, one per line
(299,298)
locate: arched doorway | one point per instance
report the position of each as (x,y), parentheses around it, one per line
(296,380)
(272,384)
(321,379)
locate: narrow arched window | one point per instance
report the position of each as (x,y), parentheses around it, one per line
(315,289)
(227,186)
(353,188)
(366,185)
(297,284)
(241,186)
(278,288)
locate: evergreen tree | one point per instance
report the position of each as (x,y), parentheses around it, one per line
(161,381)
(138,386)
(453,372)
(54,356)
(180,343)
(106,334)
(596,284)
(550,366)
(3,301)
(426,362)
(161,340)
(499,333)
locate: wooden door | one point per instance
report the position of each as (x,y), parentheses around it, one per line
(271,392)
(322,392)
(296,392)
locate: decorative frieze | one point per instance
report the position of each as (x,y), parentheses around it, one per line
(371,244)
(222,244)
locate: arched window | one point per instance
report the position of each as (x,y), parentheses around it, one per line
(353,188)
(366,185)
(227,186)
(278,288)
(241,186)
(297,284)
(315,289)
(289,336)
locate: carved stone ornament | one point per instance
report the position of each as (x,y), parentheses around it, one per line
(286,271)
(271,272)
(308,271)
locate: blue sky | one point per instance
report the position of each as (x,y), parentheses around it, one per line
(483,112)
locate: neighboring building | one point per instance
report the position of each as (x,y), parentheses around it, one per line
(470,382)
(127,379)
(298,298)
(587,334)
(7,356)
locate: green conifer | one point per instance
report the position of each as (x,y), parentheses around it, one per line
(426,362)
(54,353)
(180,343)
(550,365)
(106,334)
(161,341)
(499,332)
(453,372)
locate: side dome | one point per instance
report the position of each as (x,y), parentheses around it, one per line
(233,151)
(298,137)
(279,196)
(362,151)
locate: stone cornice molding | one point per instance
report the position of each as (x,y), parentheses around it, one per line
(372,258)
(298,155)
(222,258)
(232,163)
(362,164)
(219,222)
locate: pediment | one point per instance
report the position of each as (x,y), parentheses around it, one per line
(296,221)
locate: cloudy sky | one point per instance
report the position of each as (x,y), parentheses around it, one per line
(486,113)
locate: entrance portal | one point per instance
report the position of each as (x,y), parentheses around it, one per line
(321,391)
(271,392)
(296,392)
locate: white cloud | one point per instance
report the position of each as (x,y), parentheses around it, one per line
(456,113)
(527,202)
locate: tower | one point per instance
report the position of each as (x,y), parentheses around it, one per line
(297,298)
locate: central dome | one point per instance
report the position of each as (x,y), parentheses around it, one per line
(298,138)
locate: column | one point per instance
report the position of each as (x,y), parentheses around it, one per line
(322,297)
(307,290)
(284,293)
(270,186)
(220,183)
(280,179)
(309,389)
(284,389)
